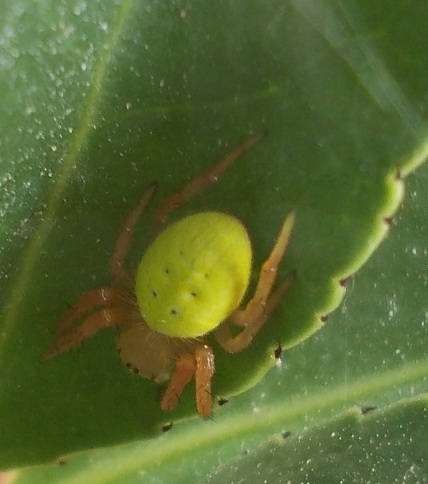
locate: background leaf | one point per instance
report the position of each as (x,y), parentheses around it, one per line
(102,98)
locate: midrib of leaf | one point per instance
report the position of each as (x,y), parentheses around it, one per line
(142,457)
(81,134)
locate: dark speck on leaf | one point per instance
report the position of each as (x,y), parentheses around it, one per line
(167,427)
(367,409)
(278,351)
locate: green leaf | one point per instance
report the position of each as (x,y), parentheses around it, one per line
(101,98)
(347,447)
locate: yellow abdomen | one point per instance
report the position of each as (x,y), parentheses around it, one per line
(194,274)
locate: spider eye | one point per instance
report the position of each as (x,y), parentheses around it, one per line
(154,293)
(174,312)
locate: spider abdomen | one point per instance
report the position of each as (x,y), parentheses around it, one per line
(194,274)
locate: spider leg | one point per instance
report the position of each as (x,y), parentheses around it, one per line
(124,238)
(115,309)
(202,181)
(103,296)
(204,372)
(258,309)
(199,364)
(185,368)
(235,343)
(106,317)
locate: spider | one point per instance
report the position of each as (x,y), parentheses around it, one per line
(189,284)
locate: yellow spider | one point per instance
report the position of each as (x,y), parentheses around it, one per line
(190,283)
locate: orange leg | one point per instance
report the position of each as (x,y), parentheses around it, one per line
(204,372)
(198,184)
(107,317)
(201,365)
(124,238)
(103,296)
(202,181)
(259,308)
(235,343)
(112,307)
(185,368)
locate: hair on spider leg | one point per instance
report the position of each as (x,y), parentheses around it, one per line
(68,304)
(162,390)
(130,299)
(51,331)
(210,398)
(210,418)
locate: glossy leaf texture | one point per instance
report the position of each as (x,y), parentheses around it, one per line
(101,98)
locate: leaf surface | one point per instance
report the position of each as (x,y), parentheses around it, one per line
(101,98)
